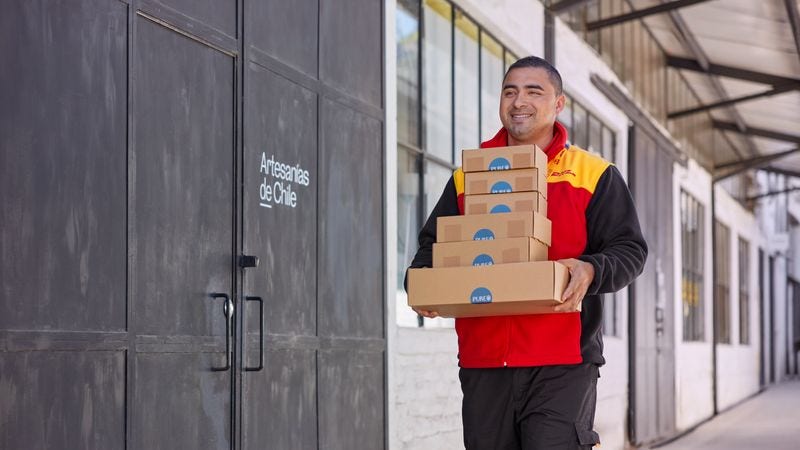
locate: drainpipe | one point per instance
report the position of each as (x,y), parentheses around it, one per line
(714,297)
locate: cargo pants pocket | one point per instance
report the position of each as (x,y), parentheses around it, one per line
(587,437)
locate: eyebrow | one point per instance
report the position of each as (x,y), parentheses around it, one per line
(527,86)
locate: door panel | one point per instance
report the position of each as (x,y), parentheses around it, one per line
(652,309)
(351,399)
(62,157)
(350,48)
(53,399)
(281,131)
(350,255)
(182,198)
(286,31)
(218,14)
(181,402)
(281,401)
(181,240)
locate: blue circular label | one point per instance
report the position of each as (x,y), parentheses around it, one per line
(500,209)
(501,187)
(499,163)
(481,295)
(484,234)
(483,260)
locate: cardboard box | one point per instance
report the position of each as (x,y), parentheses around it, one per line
(487,253)
(503,203)
(499,290)
(503,158)
(506,181)
(479,227)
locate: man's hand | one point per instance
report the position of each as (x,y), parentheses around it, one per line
(426,313)
(581,275)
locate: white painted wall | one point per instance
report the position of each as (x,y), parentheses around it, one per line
(693,377)
(737,364)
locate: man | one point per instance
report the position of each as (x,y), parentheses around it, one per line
(529,382)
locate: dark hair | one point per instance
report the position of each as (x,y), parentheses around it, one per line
(538,63)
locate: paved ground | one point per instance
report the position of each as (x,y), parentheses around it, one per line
(768,421)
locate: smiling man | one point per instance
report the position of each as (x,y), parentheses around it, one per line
(530,382)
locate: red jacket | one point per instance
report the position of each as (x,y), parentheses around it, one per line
(593,219)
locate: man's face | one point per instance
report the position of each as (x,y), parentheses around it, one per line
(529,103)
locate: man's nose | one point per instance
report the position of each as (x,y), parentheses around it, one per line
(518,101)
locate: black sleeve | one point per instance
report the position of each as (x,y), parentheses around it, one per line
(446,206)
(615,244)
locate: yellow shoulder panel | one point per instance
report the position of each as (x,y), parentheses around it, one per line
(578,167)
(458,178)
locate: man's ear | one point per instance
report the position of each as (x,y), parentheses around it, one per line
(561,100)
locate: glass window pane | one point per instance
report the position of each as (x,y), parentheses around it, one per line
(491,81)
(436,176)
(408,220)
(607,148)
(466,78)
(510,59)
(595,135)
(408,225)
(407,30)
(437,81)
(565,118)
(580,125)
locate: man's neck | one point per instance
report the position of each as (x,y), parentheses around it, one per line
(542,140)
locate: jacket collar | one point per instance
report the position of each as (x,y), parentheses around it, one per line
(556,145)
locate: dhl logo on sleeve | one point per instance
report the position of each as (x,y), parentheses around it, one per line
(576,166)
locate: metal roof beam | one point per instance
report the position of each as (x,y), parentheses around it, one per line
(784,172)
(774,91)
(693,44)
(728,170)
(794,20)
(731,72)
(771,193)
(566,5)
(638,14)
(760,132)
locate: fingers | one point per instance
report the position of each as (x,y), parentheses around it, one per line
(581,276)
(426,313)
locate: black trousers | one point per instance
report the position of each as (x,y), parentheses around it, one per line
(530,408)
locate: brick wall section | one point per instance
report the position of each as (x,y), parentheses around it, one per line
(427,391)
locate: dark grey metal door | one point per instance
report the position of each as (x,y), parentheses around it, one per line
(313,214)
(63,323)
(651,307)
(144,146)
(181,240)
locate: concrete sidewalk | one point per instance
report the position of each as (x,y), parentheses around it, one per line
(770,420)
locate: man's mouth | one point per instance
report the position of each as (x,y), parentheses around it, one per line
(521,116)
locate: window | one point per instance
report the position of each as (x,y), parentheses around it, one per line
(566,116)
(467,89)
(744,292)
(722,276)
(449,73)
(492,71)
(580,125)
(437,84)
(586,130)
(692,220)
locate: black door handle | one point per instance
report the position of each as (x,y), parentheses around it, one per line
(260,333)
(227,311)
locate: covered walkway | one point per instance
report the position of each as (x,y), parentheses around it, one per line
(770,420)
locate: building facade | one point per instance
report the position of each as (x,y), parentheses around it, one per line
(208,207)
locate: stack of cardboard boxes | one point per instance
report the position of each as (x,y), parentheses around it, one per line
(493,259)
